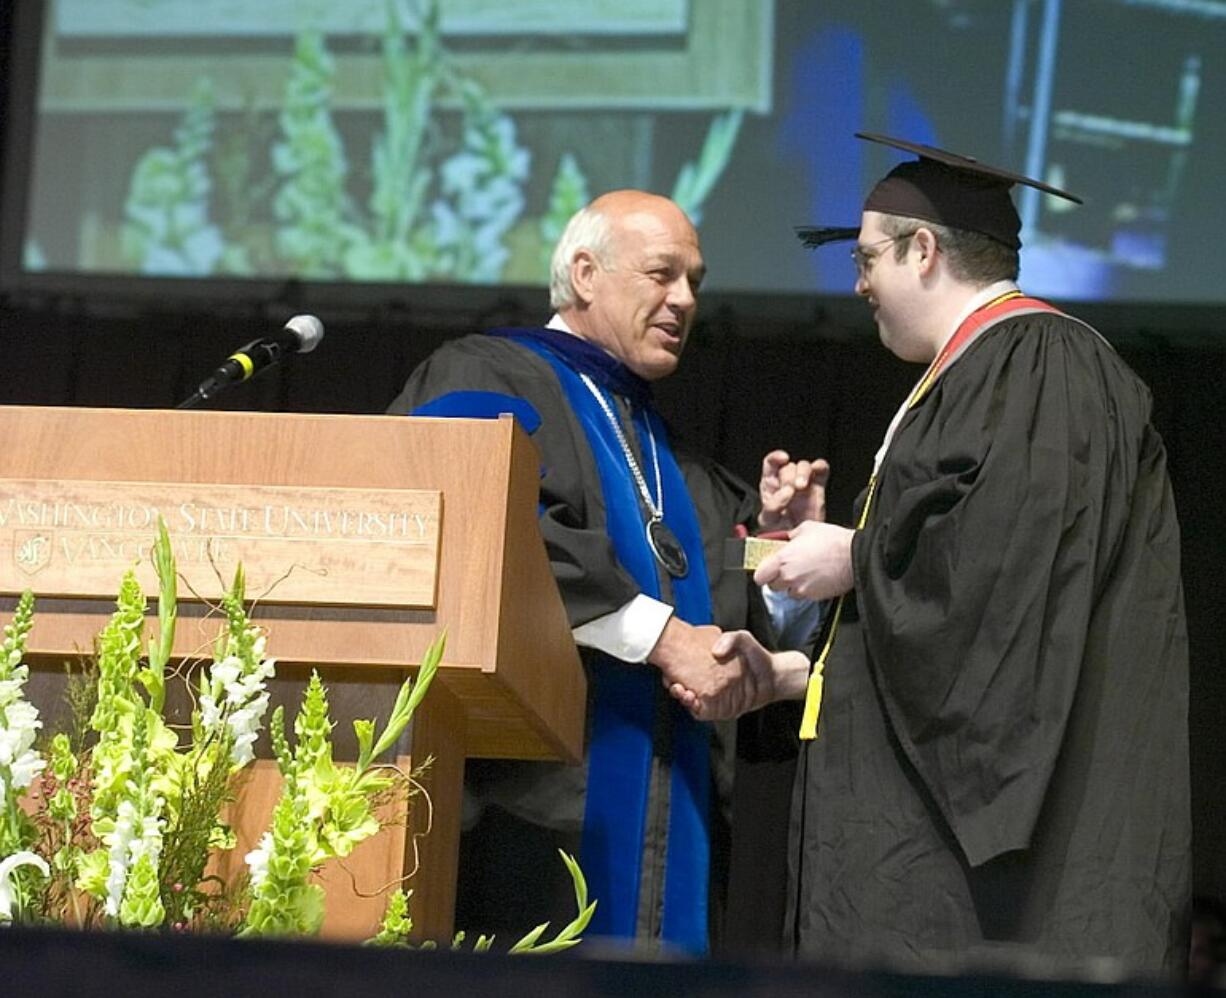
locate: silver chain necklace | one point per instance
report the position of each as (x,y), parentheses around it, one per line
(662,541)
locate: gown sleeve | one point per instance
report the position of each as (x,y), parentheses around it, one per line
(572,515)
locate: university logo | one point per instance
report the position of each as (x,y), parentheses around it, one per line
(31,551)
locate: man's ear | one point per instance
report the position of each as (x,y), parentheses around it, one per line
(584,268)
(925,243)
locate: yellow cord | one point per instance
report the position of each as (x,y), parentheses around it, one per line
(813,703)
(813,691)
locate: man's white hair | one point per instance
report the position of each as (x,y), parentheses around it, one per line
(588,229)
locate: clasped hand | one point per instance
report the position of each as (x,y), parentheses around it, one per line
(750,677)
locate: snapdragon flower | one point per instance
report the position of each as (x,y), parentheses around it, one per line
(19,763)
(257,861)
(236,696)
(19,721)
(136,836)
(7,868)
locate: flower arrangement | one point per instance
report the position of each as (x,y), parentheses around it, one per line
(114,824)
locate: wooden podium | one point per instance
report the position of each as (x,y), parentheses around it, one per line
(510,685)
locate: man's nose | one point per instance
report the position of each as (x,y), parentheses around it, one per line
(682,294)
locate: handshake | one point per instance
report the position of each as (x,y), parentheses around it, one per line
(718,675)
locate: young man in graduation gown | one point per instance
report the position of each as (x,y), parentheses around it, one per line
(1000,769)
(635,530)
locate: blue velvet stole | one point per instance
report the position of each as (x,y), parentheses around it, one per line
(625,699)
(584,357)
(482,405)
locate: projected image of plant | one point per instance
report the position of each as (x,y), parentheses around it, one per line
(439,191)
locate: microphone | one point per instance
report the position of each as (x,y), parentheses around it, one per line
(300,335)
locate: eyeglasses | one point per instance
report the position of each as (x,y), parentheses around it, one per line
(863,259)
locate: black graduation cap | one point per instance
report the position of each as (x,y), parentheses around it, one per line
(943,187)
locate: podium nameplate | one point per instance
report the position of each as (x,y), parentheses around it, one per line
(298,545)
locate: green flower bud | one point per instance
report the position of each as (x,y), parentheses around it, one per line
(397,924)
(142,905)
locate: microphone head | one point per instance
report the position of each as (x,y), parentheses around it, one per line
(307,331)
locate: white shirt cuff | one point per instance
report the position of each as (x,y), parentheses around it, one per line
(628,634)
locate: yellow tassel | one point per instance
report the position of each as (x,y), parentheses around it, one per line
(813,704)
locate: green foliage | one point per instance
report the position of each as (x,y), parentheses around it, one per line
(570,934)
(696,180)
(142,905)
(80,699)
(118,654)
(407,701)
(167,228)
(324,809)
(567,195)
(92,870)
(114,718)
(313,728)
(283,902)
(62,806)
(398,245)
(153,677)
(311,160)
(193,832)
(397,924)
(16,632)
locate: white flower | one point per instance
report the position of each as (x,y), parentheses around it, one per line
(117,856)
(257,860)
(447,224)
(244,725)
(7,866)
(244,703)
(227,670)
(19,722)
(462,171)
(210,713)
(24,768)
(10,689)
(149,842)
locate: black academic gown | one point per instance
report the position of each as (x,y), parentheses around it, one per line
(510,876)
(1001,770)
